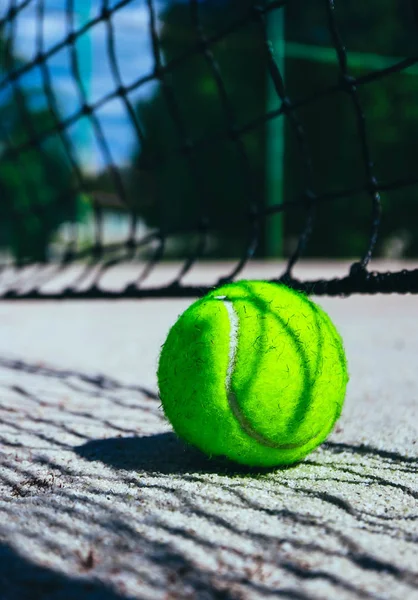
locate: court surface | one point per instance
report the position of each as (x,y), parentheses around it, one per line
(98,499)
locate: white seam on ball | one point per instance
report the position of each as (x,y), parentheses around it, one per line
(233,338)
(232,399)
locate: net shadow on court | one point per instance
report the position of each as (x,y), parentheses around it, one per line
(96,505)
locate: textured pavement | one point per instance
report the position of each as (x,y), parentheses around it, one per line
(98,499)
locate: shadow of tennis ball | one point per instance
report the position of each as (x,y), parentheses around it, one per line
(159,453)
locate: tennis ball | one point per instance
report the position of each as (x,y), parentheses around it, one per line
(254,371)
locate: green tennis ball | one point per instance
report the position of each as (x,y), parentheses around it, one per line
(253,371)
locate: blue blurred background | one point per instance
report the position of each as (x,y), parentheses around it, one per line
(120,174)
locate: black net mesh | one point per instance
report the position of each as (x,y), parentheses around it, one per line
(210,95)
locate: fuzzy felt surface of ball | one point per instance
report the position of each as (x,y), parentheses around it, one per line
(253,371)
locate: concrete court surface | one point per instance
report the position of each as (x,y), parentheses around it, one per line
(98,499)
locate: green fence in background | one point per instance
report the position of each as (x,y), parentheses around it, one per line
(276,147)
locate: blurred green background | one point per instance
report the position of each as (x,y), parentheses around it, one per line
(170,188)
